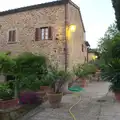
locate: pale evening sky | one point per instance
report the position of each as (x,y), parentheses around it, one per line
(97,15)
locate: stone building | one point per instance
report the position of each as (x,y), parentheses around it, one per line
(45,29)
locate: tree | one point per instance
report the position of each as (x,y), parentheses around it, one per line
(116,6)
(107,44)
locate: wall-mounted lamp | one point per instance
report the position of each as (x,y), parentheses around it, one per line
(94,57)
(72,28)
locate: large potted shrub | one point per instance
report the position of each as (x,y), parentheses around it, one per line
(111,73)
(81,74)
(58,78)
(29,68)
(30,87)
(7,99)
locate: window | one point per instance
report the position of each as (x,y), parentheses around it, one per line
(82,48)
(44,33)
(12,36)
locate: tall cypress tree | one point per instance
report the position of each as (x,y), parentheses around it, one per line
(116,6)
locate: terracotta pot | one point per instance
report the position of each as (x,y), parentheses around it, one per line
(54,99)
(117,96)
(83,82)
(45,88)
(8,103)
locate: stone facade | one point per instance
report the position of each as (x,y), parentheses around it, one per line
(25,24)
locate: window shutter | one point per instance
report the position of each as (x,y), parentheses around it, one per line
(37,34)
(10,35)
(14,36)
(50,33)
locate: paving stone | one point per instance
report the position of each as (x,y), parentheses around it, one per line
(117,117)
(106,118)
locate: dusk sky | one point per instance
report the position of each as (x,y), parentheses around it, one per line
(97,15)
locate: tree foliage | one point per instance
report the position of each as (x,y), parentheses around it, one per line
(107,44)
(116,6)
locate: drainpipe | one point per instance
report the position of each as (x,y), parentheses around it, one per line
(66,38)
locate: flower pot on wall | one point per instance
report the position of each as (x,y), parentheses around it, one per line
(54,99)
(8,103)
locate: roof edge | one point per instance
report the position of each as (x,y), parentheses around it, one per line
(33,7)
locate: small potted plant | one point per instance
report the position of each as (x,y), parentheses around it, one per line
(7,99)
(58,78)
(81,73)
(111,73)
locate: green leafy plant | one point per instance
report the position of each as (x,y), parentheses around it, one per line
(57,78)
(5,92)
(6,63)
(30,84)
(80,71)
(90,68)
(111,74)
(29,68)
(28,63)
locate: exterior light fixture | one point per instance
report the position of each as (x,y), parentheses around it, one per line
(94,57)
(72,28)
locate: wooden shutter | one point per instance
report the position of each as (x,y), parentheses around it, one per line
(50,33)
(13,35)
(37,34)
(10,36)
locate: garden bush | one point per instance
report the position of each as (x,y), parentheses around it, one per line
(28,63)
(29,70)
(5,92)
(6,64)
(80,71)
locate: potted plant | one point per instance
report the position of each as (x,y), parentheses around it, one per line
(81,73)
(29,88)
(58,78)
(7,99)
(29,68)
(111,73)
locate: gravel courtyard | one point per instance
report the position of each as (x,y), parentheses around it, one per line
(95,104)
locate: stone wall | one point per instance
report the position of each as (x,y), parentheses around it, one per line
(76,39)
(25,24)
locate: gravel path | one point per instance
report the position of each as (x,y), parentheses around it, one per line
(95,105)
